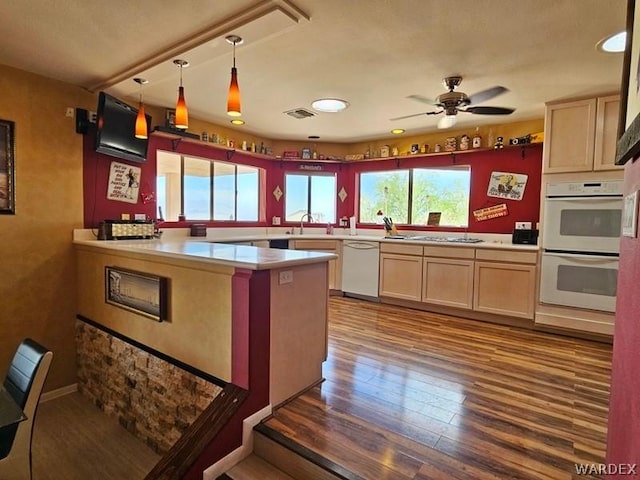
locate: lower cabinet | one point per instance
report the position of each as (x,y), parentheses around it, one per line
(505,288)
(329,246)
(447,281)
(401,276)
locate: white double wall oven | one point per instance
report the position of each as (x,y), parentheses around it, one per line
(581,244)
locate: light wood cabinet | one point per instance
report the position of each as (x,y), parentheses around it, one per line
(401,276)
(607,116)
(329,246)
(447,281)
(505,288)
(581,135)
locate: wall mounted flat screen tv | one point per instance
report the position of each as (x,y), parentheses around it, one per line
(115,131)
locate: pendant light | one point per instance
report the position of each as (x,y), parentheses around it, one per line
(141,119)
(233,99)
(182,115)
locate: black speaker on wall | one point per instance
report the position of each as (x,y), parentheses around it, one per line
(82,121)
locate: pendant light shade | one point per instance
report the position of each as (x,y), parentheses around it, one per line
(233,98)
(182,115)
(141,130)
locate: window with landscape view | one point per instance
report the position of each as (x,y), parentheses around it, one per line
(408,196)
(208,190)
(313,194)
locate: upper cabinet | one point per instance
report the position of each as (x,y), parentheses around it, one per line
(581,135)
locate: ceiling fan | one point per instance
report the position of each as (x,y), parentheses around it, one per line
(450,103)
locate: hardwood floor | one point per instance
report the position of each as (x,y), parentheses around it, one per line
(74,440)
(414,395)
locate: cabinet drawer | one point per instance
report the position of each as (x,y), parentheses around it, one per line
(315,244)
(401,249)
(507,256)
(449,252)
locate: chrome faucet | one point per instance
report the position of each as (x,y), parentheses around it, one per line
(302,221)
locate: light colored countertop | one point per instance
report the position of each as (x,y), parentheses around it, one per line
(218,248)
(496,244)
(240,256)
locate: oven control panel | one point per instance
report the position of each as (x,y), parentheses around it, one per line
(608,187)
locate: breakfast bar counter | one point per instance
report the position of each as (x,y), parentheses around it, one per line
(214,291)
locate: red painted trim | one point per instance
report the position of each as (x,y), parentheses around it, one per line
(240,328)
(254,288)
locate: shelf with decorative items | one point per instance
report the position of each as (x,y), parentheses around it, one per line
(442,153)
(177,137)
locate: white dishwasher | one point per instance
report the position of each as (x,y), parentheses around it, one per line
(360,262)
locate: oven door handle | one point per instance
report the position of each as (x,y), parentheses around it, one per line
(591,259)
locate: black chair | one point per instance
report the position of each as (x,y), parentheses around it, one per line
(24,381)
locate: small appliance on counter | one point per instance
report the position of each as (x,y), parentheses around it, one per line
(525,236)
(125,230)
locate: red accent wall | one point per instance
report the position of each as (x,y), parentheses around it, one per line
(482,164)
(96,174)
(623,443)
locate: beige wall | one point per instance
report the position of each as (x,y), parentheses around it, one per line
(198,330)
(38,284)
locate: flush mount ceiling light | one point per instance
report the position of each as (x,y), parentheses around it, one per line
(237,121)
(329,105)
(613,43)
(182,116)
(233,98)
(141,130)
(398,131)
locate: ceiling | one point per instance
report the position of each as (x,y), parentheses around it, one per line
(372,53)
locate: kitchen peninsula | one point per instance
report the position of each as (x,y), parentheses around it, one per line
(212,290)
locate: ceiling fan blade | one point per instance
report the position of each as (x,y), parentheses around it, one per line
(489,110)
(487,94)
(447,121)
(407,116)
(414,115)
(423,99)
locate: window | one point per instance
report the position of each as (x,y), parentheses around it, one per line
(408,196)
(314,194)
(203,189)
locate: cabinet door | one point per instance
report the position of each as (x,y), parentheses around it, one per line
(607,133)
(328,246)
(504,289)
(569,136)
(401,276)
(447,281)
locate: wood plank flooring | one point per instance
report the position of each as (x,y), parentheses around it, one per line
(415,395)
(74,440)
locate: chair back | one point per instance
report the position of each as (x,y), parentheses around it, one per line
(24,381)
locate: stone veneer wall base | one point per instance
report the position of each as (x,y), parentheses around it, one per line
(152,398)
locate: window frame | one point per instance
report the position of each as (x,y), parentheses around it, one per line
(410,184)
(309,176)
(261,177)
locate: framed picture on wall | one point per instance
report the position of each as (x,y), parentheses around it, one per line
(138,292)
(629,121)
(7,168)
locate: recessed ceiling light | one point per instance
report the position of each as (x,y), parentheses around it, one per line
(397,131)
(329,105)
(613,43)
(237,121)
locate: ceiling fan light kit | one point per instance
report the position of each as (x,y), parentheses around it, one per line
(452,102)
